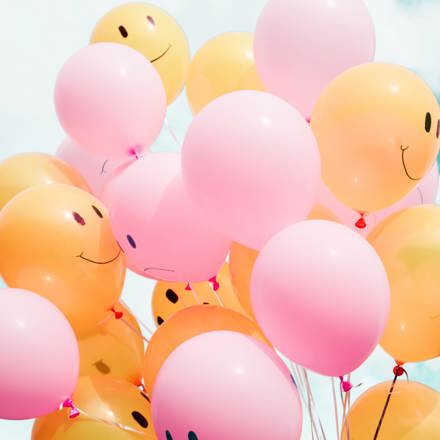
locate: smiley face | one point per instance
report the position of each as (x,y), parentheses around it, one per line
(123,409)
(153,33)
(56,240)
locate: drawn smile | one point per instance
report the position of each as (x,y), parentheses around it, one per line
(81,255)
(160,56)
(404,164)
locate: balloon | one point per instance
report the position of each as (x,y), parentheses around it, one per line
(110,100)
(300,46)
(225,385)
(184,325)
(168,298)
(156,225)
(251,164)
(22,171)
(224,64)
(386,131)
(413,413)
(155,34)
(56,240)
(115,349)
(39,359)
(408,243)
(321,295)
(113,401)
(95,169)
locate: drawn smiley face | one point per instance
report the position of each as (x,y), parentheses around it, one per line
(153,33)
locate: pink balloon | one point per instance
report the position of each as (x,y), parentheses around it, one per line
(110,100)
(39,357)
(95,169)
(155,223)
(300,46)
(225,385)
(251,165)
(320,293)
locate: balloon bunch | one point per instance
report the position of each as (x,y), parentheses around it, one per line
(293,219)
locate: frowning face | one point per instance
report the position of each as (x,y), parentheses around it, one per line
(155,34)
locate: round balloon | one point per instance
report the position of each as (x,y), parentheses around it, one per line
(155,34)
(320,294)
(300,46)
(156,224)
(110,100)
(413,413)
(384,121)
(222,65)
(56,240)
(115,349)
(168,297)
(39,358)
(251,164)
(22,171)
(408,243)
(114,410)
(232,386)
(186,324)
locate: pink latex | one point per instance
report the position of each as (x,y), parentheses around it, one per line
(252,166)
(148,202)
(225,385)
(300,46)
(320,294)
(39,356)
(110,100)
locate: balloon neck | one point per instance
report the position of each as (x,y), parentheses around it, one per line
(398,370)
(361,223)
(74,411)
(215,284)
(118,315)
(188,287)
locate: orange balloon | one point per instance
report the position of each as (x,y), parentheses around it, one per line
(168,298)
(377,127)
(408,243)
(186,324)
(115,349)
(112,401)
(413,413)
(56,240)
(22,171)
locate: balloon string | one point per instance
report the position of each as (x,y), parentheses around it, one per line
(398,371)
(142,324)
(335,405)
(171,132)
(190,288)
(346,387)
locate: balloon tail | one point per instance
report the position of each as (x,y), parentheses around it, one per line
(73,410)
(133,152)
(117,315)
(215,284)
(361,223)
(188,287)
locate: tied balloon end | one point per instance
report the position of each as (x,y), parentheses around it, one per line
(361,223)
(74,411)
(399,371)
(188,287)
(133,152)
(347,386)
(215,283)
(118,315)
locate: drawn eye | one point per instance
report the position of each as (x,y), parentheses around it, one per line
(78,218)
(140,419)
(428,122)
(172,296)
(131,241)
(98,212)
(438,128)
(168,435)
(123,31)
(145,396)
(160,320)
(192,436)
(151,20)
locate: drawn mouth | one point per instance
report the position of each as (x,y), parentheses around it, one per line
(160,56)
(81,255)
(404,164)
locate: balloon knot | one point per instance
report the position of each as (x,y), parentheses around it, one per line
(132,152)
(347,386)
(308,120)
(215,283)
(188,287)
(74,411)
(398,370)
(361,223)
(118,315)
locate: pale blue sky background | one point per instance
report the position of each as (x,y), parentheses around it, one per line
(36,37)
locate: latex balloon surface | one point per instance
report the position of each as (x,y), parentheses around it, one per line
(155,34)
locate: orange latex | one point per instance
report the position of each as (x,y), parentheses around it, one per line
(408,243)
(168,298)
(22,171)
(115,349)
(223,65)
(112,401)
(56,240)
(413,413)
(155,34)
(186,324)
(377,130)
